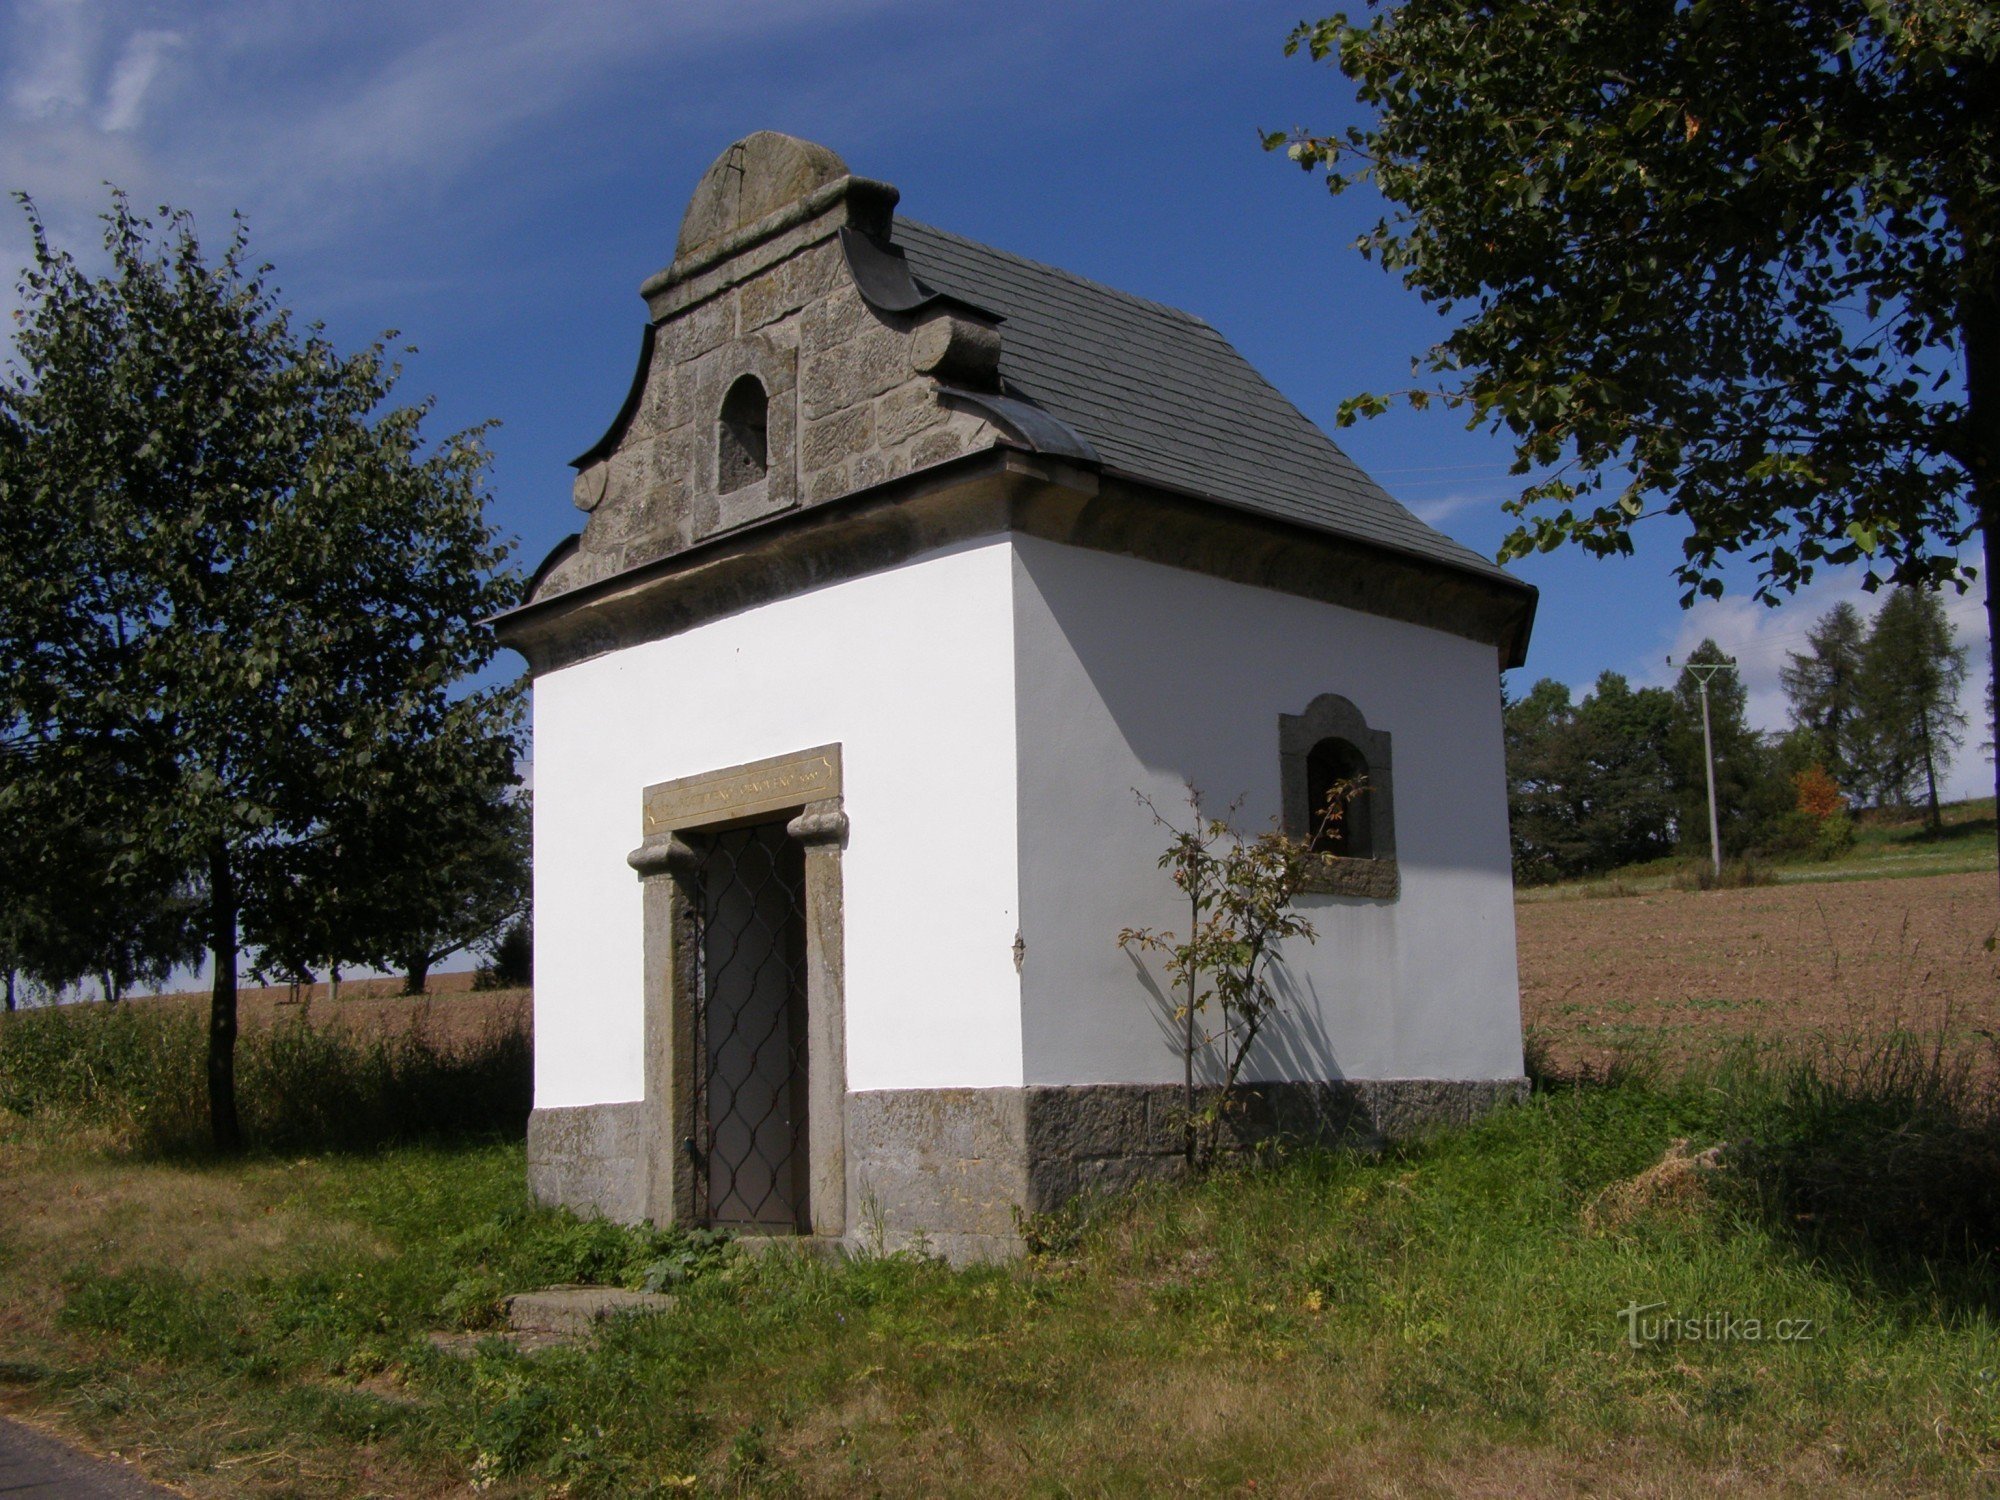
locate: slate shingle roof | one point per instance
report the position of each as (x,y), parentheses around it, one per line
(1166,399)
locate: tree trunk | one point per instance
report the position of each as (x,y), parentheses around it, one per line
(1935,822)
(10,989)
(1980,321)
(222,1122)
(416,975)
(1187,1033)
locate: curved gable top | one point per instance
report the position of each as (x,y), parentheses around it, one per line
(890,348)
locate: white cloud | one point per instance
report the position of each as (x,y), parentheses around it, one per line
(132,75)
(322,119)
(1437,511)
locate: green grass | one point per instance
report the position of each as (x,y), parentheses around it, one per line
(1885,848)
(1407,1323)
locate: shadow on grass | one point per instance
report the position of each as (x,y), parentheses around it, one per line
(301,1086)
(1879,1161)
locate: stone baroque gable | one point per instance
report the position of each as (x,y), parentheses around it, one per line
(763,284)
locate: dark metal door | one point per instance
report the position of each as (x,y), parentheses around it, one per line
(750,1022)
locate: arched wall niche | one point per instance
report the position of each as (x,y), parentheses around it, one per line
(1330,741)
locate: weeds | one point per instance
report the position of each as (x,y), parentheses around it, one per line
(1735,874)
(301,1086)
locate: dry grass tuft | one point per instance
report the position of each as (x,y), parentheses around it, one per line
(1675,1188)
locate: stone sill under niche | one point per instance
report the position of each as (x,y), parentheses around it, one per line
(1374,879)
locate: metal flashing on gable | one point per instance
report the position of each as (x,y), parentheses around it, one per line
(1042,432)
(882,275)
(604,446)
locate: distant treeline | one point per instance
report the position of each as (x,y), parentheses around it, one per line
(1617,777)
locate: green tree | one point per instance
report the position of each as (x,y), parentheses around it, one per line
(1822,682)
(1734,264)
(1544,775)
(81,897)
(1911,674)
(1588,783)
(228,559)
(436,908)
(1628,796)
(1751,789)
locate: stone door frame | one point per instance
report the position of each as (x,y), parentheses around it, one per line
(807,785)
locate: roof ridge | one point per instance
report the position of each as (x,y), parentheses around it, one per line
(1055,270)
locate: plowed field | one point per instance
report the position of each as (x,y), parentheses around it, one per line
(1794,965)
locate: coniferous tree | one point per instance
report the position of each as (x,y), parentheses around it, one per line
(1588,782)
(1627,798)
(1911,675)
(1543,775)
(1822,683)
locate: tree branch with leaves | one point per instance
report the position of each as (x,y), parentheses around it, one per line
(1735,265)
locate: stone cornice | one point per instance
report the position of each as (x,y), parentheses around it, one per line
(988,492)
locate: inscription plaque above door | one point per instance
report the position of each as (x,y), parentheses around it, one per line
(763,786)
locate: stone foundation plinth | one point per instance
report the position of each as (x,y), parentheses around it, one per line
(953,1170)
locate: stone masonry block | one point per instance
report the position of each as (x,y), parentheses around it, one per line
(833,321)
(843,435)
(942,1162)
(827,484)
(788,286)
(907,410)
(696,331)
(871,362)
(1102,1120)
(936,447)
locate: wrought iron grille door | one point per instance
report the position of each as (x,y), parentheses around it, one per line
(750,1027)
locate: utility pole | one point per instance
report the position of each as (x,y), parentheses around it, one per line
(1703,671)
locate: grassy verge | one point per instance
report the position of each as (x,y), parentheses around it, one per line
(1885,848)
(1438,1320)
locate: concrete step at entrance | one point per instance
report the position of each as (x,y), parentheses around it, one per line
(577,1311)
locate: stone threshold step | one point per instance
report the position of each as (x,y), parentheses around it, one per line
(573,1311)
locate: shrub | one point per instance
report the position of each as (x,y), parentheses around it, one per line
(1834,837)
(513,959)
(1818,797)
(1736,874)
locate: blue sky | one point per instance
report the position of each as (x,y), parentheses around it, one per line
(494,180)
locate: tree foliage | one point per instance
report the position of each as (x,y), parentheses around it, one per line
(1822,685)
(1619,777)
(1752,787)
(1718,259)
(1738,265)
(1588,783)
(1911,726)
(235,572)
(1878,701)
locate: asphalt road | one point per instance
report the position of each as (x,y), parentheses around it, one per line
(33,1467)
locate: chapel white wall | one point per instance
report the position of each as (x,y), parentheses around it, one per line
(911,670)
(1134,676)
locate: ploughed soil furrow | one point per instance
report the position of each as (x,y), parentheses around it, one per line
(1795,965)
